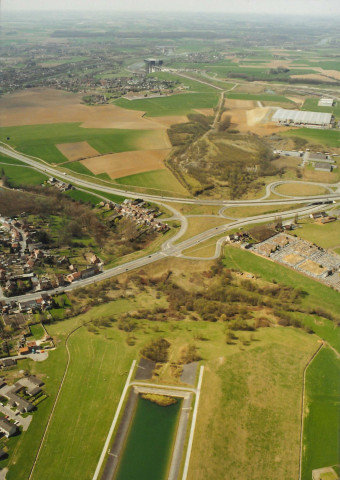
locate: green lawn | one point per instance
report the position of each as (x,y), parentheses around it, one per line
(180,104)
(162,180)
(322,414)
(41,140)
(37,331)
(329,138)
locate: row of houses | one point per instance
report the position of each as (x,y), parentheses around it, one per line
(138,211)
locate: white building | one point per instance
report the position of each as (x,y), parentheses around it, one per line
(326,102)
(305,119)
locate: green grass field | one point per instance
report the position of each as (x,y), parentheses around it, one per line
(162,180)
(84,197)
(249,413)
(22,175)
(41,140)
(311,104)
(11,161)
(326,236)
(192,84)
(37,331)
(322,414)
(329,138)
(78,168)
(180,104)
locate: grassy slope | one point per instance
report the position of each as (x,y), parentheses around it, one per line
(321,428)
(40,140)
(161,179)
(249,411)
(23,175)
(318,294)
(93,385)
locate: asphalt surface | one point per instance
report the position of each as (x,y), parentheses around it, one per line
(169,248)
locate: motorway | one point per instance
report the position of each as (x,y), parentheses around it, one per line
(169,248)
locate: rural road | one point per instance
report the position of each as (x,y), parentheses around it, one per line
(168,248)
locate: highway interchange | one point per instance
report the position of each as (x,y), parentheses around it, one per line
(170,248)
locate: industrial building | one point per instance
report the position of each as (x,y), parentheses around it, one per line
(153,65)
(326,102)
(303,119)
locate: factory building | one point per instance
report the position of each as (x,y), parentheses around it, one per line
(303,119)
(326,102)
(153,65)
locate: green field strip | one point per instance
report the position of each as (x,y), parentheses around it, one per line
(322,414)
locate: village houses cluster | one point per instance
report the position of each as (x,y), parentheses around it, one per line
(21,253)
(139,211)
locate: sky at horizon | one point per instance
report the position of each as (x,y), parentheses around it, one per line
(294,7)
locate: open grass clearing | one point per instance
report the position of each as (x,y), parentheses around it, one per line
(22,175)
(300,189)
(324,235)
(322,414)
(200,224)
(329,138)
(180,104)
(156,180)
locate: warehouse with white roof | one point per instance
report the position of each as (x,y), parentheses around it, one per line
(326,102)
(305,119)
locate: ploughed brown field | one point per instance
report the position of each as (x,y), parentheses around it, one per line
(37,106)
(118,165)
(76,151)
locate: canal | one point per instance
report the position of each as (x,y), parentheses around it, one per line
(148,448)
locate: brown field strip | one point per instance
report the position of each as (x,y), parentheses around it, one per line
(38,106)
(118,165)
(76,151)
